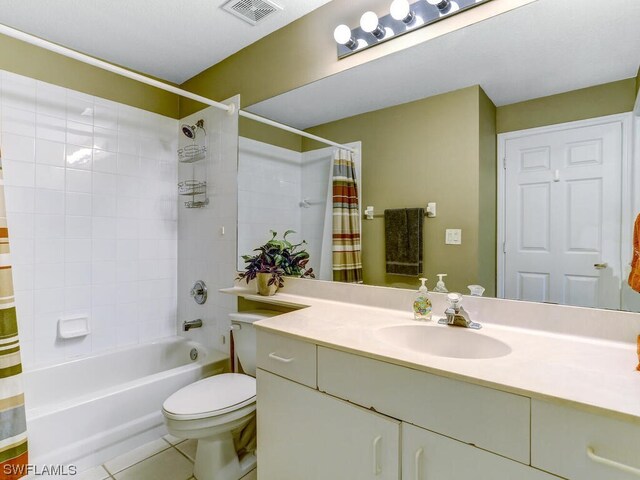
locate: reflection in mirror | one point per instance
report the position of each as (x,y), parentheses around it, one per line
(519,129)
(280,189)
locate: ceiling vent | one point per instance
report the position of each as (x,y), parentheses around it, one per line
(251,11)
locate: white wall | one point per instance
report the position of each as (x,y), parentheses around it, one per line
(204,252)
(91,204)
(269,194)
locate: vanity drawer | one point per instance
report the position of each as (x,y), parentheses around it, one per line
(581,446)
(487,418)
(287,357)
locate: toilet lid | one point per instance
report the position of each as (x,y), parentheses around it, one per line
(212,396)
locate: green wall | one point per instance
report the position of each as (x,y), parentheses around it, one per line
(268,134)
(24,59)
(598,101)
(429,151)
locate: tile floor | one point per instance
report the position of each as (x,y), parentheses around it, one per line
(168,458)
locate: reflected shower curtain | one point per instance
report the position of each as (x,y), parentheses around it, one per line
(347,260)
(13,428)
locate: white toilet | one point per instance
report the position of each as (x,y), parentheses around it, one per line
(210,409)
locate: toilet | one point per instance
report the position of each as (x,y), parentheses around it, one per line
(209,410)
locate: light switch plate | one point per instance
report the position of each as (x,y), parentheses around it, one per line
(453,236)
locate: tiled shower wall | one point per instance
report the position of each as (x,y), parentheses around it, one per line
(207,236)
(91,200)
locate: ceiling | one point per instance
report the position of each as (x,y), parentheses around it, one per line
(169,39)
(541,49)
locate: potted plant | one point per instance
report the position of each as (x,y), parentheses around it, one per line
(275,260)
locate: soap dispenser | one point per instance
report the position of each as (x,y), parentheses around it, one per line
(422,304)
(440,286)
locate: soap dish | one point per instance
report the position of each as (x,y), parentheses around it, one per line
(73,327)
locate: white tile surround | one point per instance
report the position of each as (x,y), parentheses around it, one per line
(269,193)
(91,201)
(204,252)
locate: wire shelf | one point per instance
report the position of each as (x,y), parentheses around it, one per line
(196,203)
(192,153)
(192,187)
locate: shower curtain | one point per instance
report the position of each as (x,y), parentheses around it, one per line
(347,260)
(13,427)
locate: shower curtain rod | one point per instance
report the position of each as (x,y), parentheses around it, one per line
(89,60)
(282,126)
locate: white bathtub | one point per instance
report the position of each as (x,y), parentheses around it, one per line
(89,410)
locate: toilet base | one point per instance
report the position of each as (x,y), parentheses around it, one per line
(216,459)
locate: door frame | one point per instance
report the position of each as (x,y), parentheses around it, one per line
(626,120)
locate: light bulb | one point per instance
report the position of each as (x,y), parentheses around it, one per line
(369,22)
(342,34)
(400,9)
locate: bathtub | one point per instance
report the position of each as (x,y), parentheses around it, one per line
(89,410)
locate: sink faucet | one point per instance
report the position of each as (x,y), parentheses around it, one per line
(456,315)
(186,326)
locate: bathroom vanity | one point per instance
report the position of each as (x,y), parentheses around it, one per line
(347,391)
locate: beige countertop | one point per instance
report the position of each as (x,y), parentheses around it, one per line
(590,374)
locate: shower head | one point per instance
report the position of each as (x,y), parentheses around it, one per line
(189,131)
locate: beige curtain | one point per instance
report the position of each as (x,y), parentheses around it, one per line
(347,257)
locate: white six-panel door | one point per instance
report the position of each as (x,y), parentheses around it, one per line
(563,209)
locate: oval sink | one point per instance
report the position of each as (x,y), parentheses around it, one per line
(453,342)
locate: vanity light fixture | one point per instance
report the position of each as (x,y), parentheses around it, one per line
(370,23)
(404,17)
(401,10)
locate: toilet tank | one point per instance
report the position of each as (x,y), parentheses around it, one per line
(244,336)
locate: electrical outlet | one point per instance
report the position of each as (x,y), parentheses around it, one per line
(453,236)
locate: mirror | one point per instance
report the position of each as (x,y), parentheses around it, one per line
(544,90)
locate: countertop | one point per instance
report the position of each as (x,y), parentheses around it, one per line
(598,376)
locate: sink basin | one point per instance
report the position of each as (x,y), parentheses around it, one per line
(453,342)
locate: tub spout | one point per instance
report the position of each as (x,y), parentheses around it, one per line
(186,326)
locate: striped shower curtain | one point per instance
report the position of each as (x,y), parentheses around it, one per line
(13,428)
(347,259)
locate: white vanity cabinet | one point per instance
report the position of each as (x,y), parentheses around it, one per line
(582,446)
(429,456)
(304,434)
(327,414)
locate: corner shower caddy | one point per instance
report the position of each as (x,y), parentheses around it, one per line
(191,153)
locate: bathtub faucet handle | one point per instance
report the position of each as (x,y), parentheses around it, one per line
(186,326)
(199,292)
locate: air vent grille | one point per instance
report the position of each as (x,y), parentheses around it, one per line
(251,11)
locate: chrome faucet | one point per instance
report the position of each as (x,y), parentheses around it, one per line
(456,315)
(186,326)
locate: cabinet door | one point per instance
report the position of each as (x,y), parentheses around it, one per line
(429,456)
(304,434)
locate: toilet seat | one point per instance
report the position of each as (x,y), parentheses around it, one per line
(211,397)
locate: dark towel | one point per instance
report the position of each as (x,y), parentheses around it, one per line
(403,240)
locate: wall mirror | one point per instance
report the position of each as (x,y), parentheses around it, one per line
(520,130)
